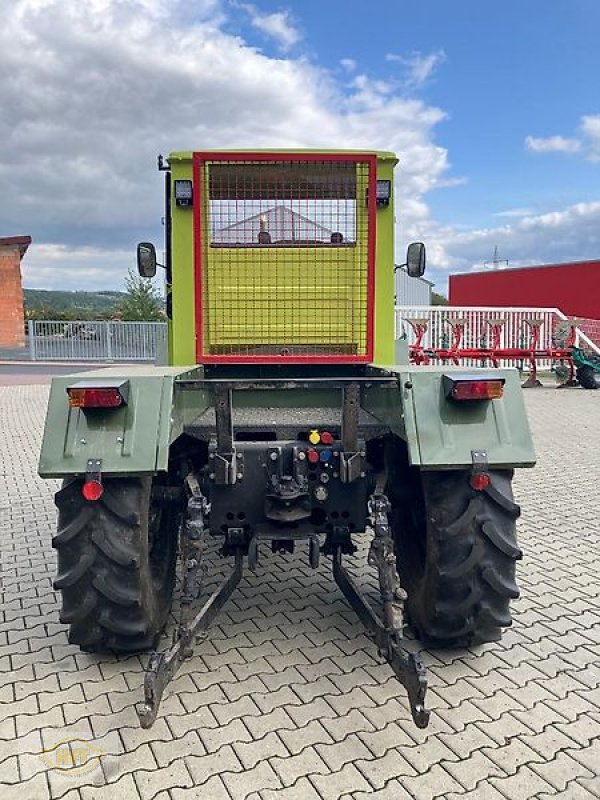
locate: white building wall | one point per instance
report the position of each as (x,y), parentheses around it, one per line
(412,291)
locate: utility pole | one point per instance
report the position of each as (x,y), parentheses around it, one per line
(496,260)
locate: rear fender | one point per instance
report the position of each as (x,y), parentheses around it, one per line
(131,439)
(441,433)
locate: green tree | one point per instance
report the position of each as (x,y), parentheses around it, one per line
(438,299)
(142,301)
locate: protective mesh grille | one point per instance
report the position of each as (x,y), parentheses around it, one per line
(284,258)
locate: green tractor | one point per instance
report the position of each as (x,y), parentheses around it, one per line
(288,416)
(587,366)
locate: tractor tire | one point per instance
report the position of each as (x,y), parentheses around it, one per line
(456,550)
(116,565)
(588,377)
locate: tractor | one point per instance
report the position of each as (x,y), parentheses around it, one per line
(288,416)
(587,368)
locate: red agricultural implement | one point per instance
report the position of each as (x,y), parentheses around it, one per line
(562,353)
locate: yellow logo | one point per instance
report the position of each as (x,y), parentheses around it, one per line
(72,757)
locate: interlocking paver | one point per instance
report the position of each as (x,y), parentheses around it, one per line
(563,769)
(298,739)
(308,761)
(431,783)
(290,701)
(151,781)
(262,776)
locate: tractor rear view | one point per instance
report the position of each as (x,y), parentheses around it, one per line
(288,417)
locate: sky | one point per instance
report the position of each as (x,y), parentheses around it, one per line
(492,108)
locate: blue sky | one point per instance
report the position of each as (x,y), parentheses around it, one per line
(506,71)
(493,109)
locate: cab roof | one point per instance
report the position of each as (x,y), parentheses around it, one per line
(382,155)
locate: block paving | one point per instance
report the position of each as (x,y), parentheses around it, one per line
(285,698)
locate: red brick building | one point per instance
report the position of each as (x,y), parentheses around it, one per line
(12,250)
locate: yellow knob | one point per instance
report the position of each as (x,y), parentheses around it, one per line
(314,437)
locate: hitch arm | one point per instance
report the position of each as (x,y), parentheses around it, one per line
(408,667)
(163,666)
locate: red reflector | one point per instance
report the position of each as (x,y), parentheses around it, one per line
(92,490)
(313,456)
(480,481)
(94,398)
(326,437)
(477,390)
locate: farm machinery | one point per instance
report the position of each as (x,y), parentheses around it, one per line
(572,364)
(287,416)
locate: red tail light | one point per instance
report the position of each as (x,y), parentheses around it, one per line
(92,490)
(480,481)
(100,394)
(476,385)
(477,390)
(94,398)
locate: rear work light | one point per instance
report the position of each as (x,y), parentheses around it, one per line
(471,387)
(99,394)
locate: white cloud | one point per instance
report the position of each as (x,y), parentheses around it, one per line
(419,66)
(590,126)
(586,144)
(278,25)
(348,64)
(62,266)
(514,212)
(92,91)
(570,234)
(552,144)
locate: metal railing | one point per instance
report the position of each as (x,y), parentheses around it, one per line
(515,329)
(96,340)
(147,341)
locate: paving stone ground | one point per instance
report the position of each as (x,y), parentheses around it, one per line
(286,699)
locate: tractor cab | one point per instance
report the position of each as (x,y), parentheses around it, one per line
(291,259)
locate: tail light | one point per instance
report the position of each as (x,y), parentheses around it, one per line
(98,394)
(92,490)
(473,387)
(480,481)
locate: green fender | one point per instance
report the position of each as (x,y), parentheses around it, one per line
(132,439)
(441,433)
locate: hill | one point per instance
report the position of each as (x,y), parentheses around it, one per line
(77,305)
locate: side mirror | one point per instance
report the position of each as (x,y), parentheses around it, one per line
(415,259)
(146,259)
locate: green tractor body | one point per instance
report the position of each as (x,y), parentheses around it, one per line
(288,415)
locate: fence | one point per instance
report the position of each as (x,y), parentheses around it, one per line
(96,341)
(147,341)
(515,330)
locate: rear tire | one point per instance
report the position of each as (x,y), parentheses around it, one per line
(116,564)
(456,550)
(588,377)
